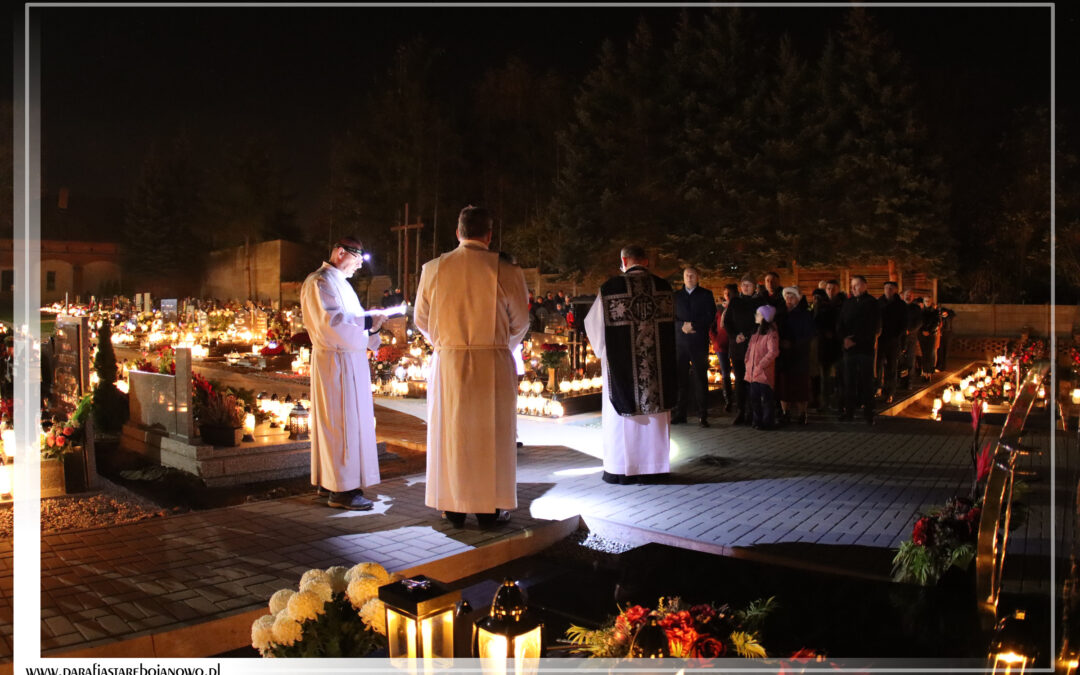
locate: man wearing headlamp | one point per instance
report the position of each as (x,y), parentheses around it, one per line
(344,456)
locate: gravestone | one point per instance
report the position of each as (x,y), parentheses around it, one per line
(148,305)
(397,326)
(168,309)
(258,322)
(71,380)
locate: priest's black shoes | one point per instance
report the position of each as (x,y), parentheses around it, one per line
(500,517)
(354,500)
(456,519)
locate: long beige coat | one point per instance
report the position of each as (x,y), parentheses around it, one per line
(474,309)
(344,455)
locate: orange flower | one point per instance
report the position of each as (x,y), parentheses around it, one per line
(60,441)
(50,440)
(68,431)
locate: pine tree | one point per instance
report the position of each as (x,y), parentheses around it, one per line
(110,404)
(894,201)
(161,249)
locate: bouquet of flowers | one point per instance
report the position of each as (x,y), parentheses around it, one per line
(941,539)
(220,408)
(62,437)
(336,613)
(692,631)
(552,355)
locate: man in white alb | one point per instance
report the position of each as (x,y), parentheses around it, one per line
(473,307)
(631,327)
(344,456)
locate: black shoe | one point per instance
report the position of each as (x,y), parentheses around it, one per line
(354,500)
(846,417)
(870,421)
(321,492)
(739,419)
(704,423)
(456,519)
(613,478)
(520,444)
(500,517)
(678,419)
(648,478)
(802,419)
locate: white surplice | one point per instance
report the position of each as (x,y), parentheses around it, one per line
(344,455)
(473,308)
(634,445)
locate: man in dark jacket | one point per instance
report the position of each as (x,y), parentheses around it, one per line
(826,315)
(740,326)
(773,294)
(859,327)
(893,329)
(911,338)
(695,312)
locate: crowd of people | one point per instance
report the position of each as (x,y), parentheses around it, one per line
(834,351)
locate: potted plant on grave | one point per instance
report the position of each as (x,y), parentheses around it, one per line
(61,452)
(220,414)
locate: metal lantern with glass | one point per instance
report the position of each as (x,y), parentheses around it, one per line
(419,618)
(510,629)
(298,423)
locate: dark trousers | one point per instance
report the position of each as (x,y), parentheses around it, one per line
(828,380)
(738,366)
(911,351)
(762,405)
(929,353)
(943,351)
(725,373)
(693,371)
(888,364)
(858,383)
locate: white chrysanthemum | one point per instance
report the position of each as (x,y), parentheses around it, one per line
(338,582)
(306,605)
(319,588)
(374,615)
(262,632)
(280,600)
(287,630)
(374,569)
(361,589)
(314,575)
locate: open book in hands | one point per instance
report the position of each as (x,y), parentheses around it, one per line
(386,311)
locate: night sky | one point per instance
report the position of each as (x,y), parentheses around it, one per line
(115,79)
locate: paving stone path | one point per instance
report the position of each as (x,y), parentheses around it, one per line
(825,484)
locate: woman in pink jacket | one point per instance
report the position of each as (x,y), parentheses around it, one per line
(761,368)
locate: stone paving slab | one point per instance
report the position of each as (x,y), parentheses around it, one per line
(825,484)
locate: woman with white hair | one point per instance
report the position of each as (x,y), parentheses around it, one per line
(793,366)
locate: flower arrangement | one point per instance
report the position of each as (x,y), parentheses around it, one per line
(62,437)
(389,354)
(334,613)
(943,538)
(213,407)
(272,348)
(552,355)
(692,631)
(1026,352)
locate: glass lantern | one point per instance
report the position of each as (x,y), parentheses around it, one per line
(419,618)
(1012,649)
(249,428)
(298,423)
(510,630)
